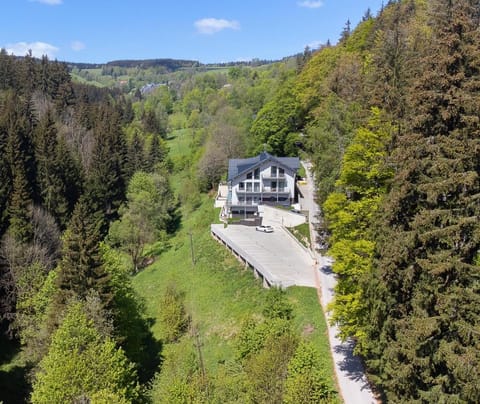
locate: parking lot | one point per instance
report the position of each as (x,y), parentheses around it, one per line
(276,256)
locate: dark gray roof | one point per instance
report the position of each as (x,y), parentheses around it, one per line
(237,167)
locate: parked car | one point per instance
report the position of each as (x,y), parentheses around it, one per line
(265,229)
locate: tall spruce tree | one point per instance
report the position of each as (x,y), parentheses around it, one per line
(52,189)
(106,178)
(19,124)
(82,267)
(5,177)
(58,175)
(28,73)
(136,155)
(8,73)
(156,152)
(424,297)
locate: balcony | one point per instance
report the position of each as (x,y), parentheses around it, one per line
(263,190)
(277,190)
(273,176)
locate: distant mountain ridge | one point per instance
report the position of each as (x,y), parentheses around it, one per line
(167,63)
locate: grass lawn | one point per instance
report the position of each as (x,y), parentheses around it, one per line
(302,233)
(14,383)
(179,142)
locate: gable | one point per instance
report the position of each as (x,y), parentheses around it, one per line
(238,167)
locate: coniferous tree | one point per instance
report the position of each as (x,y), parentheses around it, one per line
(156,153)
(106,179)
(45,79)
(58,175)
(28,76)
(19,125)
(7,70)
(5,178)
(82,267)
(71,175)
(393,54)
(347,30)
(83,366)
(19,207)
(424,298)
(52,189)
(136,155)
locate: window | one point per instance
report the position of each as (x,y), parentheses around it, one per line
(241,186)
(256,174)
(249,187)
(256,187)
(274,186)
(249,175)
(273,171)
(281,172)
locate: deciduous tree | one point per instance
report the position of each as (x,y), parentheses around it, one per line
(81,363)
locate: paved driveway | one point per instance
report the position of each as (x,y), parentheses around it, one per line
(277,253)
(354,386)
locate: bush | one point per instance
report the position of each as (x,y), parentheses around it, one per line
(173,315)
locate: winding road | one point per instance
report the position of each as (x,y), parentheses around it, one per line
(352,382)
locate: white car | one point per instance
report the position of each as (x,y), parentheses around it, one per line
(265,229)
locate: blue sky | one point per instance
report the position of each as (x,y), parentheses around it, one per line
(209,31)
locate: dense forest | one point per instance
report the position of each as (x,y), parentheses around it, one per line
(389,119)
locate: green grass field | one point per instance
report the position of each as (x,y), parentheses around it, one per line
(220,293)
(302,233)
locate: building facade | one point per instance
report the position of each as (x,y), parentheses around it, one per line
(264,179)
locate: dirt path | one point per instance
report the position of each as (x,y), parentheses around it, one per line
(353,385)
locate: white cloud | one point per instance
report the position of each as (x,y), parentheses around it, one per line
(49,2)
(38,49)
(213,25)
(310,4)
(315,44)
(77,46)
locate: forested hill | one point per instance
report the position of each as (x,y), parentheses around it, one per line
(170,65)
(389,119)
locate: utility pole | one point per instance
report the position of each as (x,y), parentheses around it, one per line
(191,248)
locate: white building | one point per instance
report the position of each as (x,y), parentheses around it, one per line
(264,179)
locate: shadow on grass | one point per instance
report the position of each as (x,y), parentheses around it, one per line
(151,357)
(14,385)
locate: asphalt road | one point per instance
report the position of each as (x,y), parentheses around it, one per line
(349,369)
